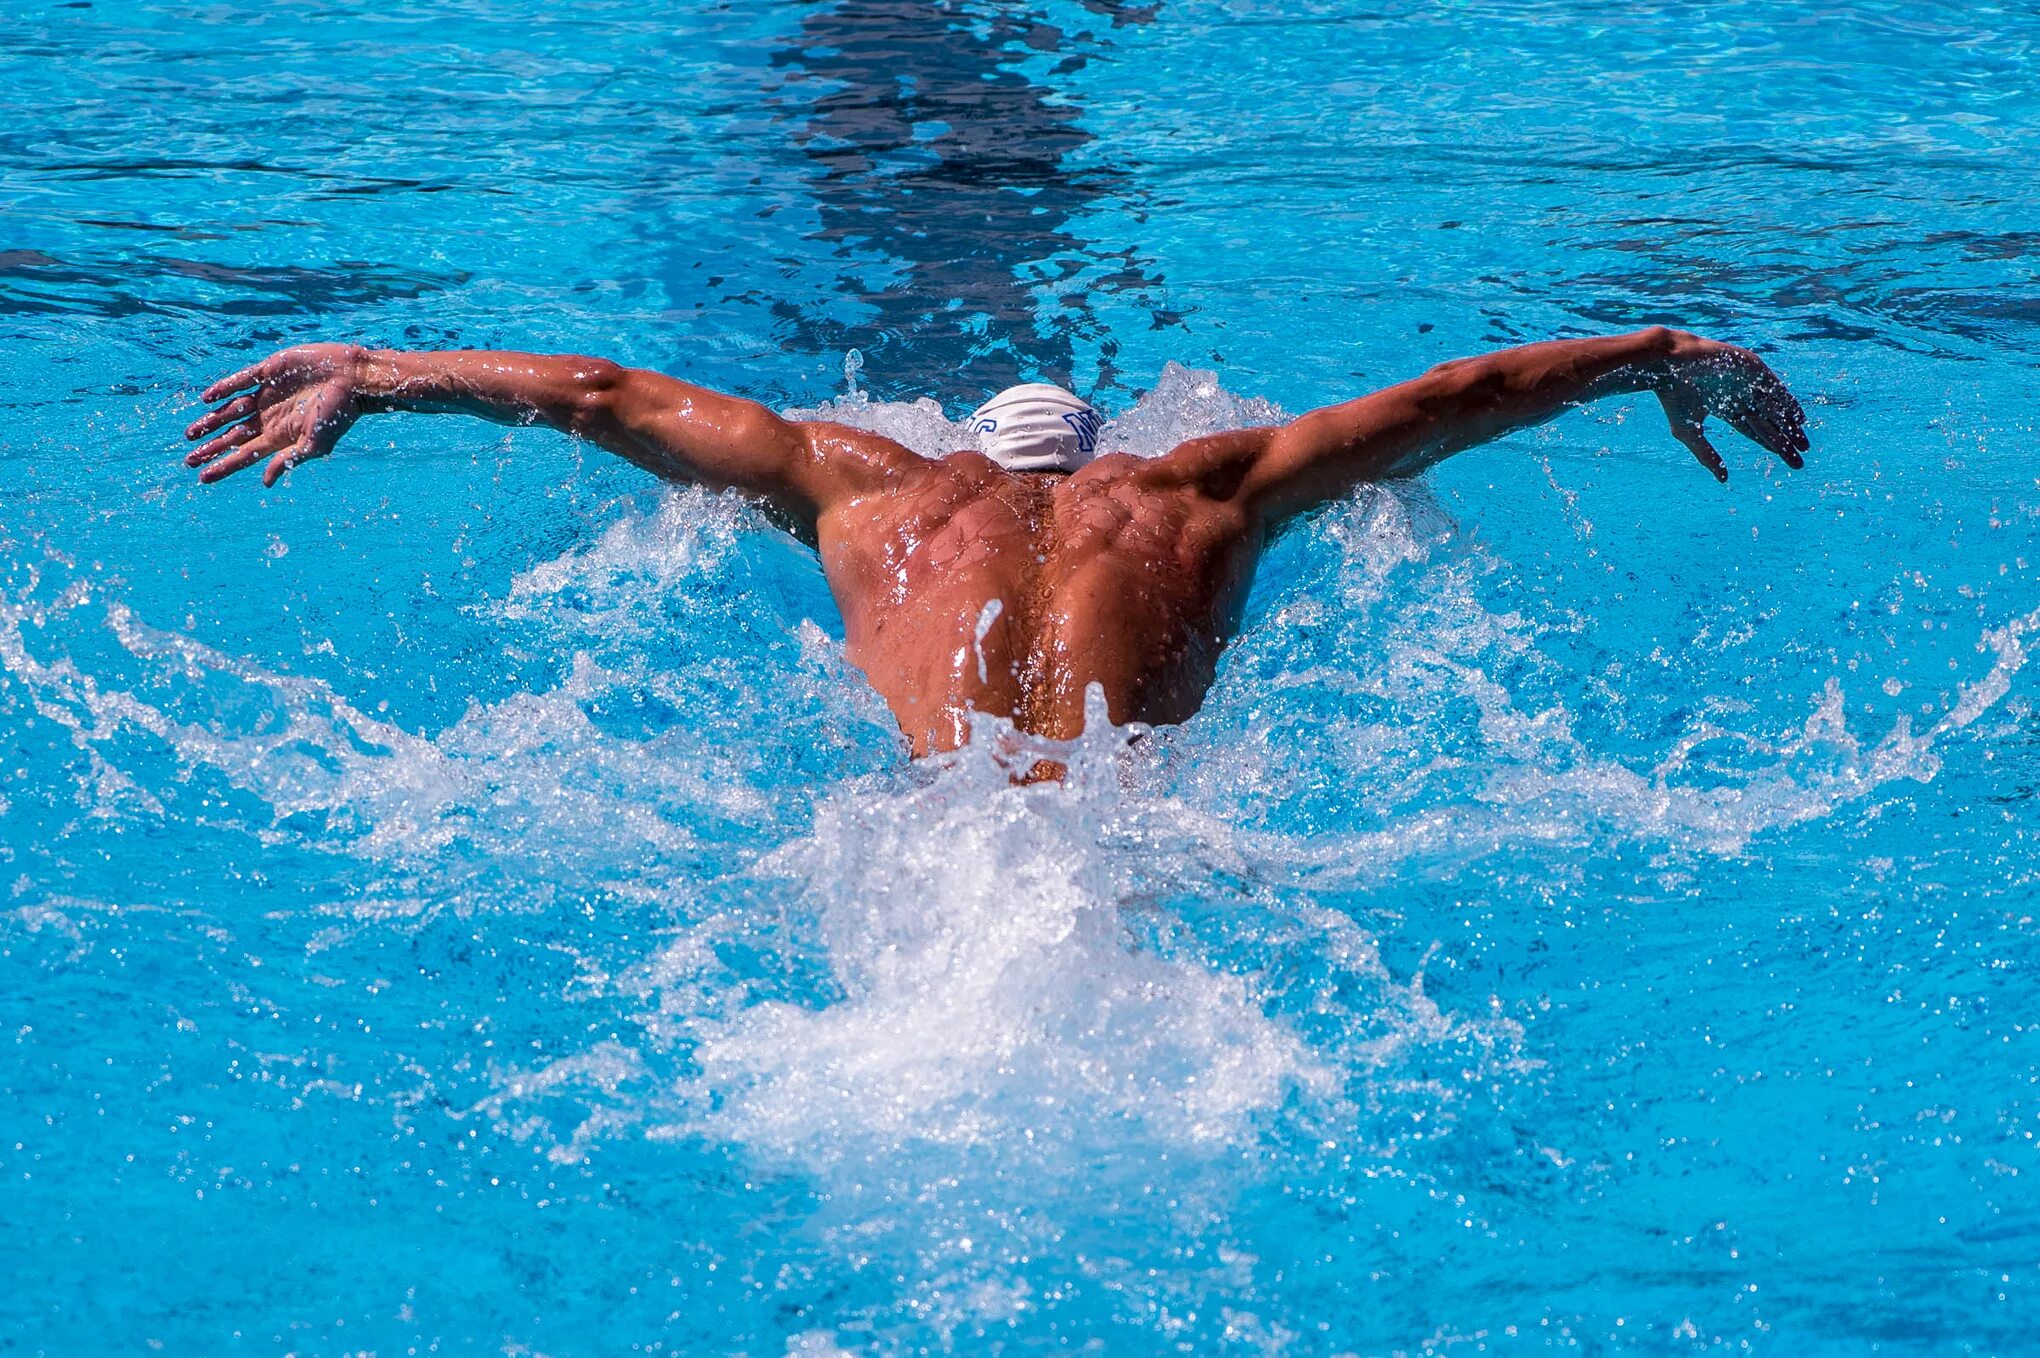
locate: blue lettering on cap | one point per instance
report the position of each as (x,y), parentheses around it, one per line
(1085,423)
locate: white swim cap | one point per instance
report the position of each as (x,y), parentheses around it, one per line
(1037,428)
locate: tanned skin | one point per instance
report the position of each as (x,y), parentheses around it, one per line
(965,587)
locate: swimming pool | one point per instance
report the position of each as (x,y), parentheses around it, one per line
(461,900)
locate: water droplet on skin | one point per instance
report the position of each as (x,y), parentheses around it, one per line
(988,615)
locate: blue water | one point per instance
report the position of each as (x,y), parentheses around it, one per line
(462,900)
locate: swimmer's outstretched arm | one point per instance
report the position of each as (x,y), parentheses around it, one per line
(1405,428)
(296,404)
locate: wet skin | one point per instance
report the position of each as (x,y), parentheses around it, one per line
(965,587)
(969,587)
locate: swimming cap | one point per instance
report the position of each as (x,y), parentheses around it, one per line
(1037,428)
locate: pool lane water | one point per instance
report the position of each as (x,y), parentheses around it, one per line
(462,900)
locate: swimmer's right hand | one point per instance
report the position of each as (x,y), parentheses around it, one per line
(1698,378)
(303,399)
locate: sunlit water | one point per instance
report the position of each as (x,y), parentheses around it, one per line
(463,900)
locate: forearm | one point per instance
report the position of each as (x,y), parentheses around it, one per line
(669,427)
(563,391)
(1405,428)
(1470,401)
(1467,402)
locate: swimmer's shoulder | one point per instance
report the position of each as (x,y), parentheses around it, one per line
(1213,465)
(862,461)
(950,480)
(1210,466)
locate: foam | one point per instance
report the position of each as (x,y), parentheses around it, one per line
(987,989)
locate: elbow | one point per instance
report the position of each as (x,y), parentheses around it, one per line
(1662,341)
(598,388)
(1465,383)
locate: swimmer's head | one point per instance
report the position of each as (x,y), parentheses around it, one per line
(1037,428)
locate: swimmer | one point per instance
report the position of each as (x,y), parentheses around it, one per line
(1008,578)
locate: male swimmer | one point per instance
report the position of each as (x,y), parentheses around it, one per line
(1008,579)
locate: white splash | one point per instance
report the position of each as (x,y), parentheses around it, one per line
(987,989)
(1185,403)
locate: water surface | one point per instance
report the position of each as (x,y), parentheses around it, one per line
(462,900)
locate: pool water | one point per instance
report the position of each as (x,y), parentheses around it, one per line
(463,901)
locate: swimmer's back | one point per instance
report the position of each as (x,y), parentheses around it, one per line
(969,587)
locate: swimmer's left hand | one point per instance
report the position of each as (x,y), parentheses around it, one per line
(1703,377)
(304,399)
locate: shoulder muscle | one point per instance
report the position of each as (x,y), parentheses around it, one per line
(1216,465)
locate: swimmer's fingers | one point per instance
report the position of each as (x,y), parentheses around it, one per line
(1764,431)
(1684,412)
(1756,424)
(237,409)
(1697,444)
(1784,410)
(1763,411)
(212,448)
(244,456)
(284,461)
(247,377)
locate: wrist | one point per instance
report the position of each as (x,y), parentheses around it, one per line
(378,378)
(1654,351)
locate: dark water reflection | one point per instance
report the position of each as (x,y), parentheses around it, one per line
(947,183)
